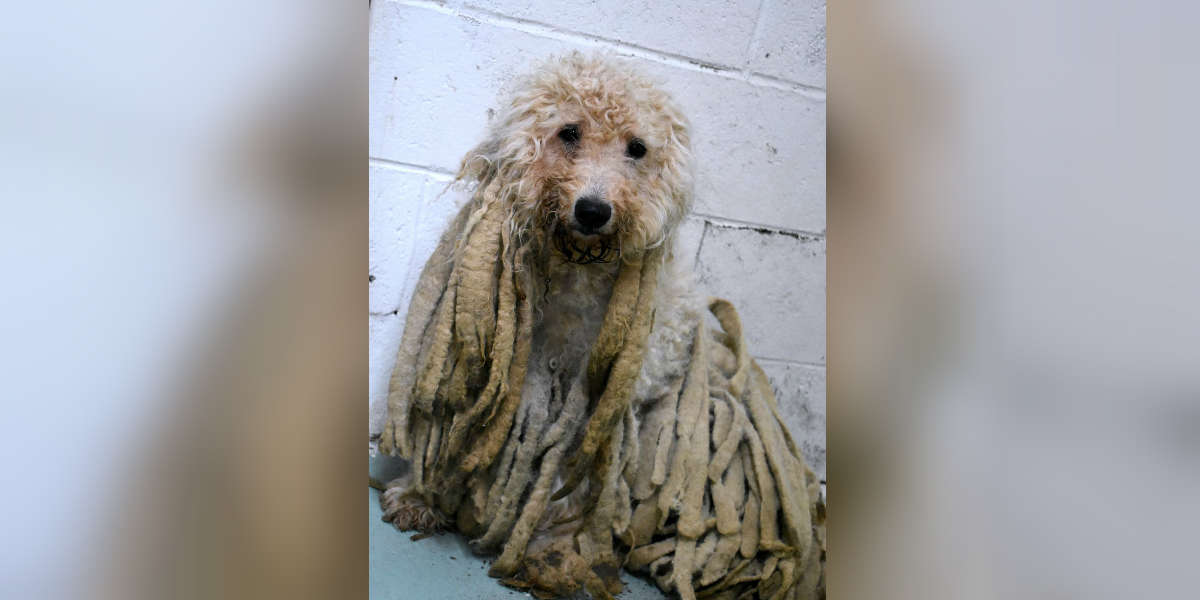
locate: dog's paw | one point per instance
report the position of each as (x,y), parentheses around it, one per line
(408,512)
(553,568)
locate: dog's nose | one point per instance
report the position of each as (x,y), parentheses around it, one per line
(591,213)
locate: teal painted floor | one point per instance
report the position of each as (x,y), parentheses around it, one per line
(441,567)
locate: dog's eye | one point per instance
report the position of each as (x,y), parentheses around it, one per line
(569,135)
(636,148)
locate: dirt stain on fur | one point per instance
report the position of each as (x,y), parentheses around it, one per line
(606,572)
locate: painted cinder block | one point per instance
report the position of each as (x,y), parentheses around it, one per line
(760,151)
(395,203)
(791,43)
(715,31)
(776,281)
(433,79)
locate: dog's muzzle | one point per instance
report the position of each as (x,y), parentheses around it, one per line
(602,251)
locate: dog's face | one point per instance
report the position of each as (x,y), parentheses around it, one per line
(594,154)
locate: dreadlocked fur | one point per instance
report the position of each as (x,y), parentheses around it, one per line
(660,448)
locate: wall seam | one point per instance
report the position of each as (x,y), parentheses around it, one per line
(699,246)
(754,35)
(791,362)
(730,223)
(396,165)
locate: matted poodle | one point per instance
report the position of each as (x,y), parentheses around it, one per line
(563,396)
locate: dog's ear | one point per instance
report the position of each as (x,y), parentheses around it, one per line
(516,138)
(511,145)
(677,166)
(480,162)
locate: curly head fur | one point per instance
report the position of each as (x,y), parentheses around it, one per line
(588,127)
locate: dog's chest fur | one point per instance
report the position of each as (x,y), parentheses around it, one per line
(568,320)
(570,317)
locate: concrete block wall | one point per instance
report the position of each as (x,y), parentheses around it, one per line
(749,73)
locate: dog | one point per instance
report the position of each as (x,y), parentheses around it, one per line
(556,320)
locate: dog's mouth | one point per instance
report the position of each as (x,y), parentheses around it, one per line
(585,250)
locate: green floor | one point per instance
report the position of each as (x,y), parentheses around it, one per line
(441,567)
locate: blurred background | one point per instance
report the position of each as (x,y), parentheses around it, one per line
(1014,409)
(184,229)
(749,75)
(1012,290)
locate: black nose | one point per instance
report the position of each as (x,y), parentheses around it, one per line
(591,213)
